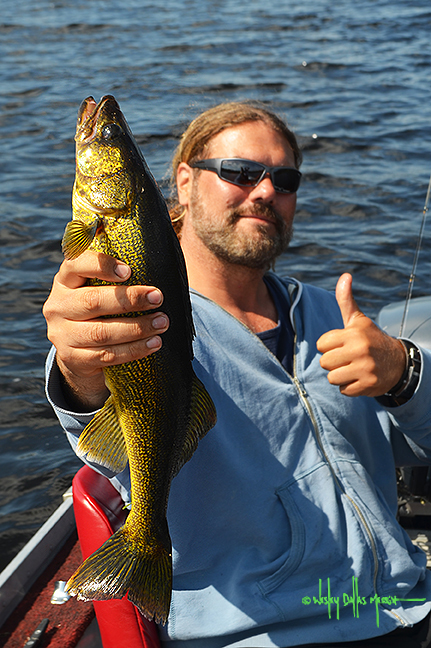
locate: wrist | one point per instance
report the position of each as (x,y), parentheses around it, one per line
(82,394)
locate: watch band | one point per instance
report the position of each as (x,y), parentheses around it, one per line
(406,386)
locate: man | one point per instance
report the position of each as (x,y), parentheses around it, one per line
(283,522)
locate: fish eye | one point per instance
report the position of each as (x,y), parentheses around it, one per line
(111,131)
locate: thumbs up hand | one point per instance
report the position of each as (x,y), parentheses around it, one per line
(361,359)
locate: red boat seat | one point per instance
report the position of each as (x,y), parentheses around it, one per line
(99,512)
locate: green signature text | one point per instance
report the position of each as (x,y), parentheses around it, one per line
(333,603)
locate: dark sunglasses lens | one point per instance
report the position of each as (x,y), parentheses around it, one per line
(286,180)
(241,172)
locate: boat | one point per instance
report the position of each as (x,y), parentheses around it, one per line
(417,325)
(34,609)
(28,583)
(414,501)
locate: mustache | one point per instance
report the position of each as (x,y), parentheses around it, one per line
(266,211)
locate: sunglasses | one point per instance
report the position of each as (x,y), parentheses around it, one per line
(247,173)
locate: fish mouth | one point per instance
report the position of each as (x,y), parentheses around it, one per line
(89,114)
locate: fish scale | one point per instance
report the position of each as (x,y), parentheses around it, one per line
(158,410)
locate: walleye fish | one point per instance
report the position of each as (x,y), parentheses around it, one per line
(158,409)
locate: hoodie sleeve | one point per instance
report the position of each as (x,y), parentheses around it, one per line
(412,421)
(74,422)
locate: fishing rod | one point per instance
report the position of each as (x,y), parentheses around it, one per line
(415,261)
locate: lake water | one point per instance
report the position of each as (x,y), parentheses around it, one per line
(351,77)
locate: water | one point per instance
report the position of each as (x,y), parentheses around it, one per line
(351,77)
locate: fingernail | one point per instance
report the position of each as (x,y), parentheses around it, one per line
(154,343)
(154,297)
(122,270)
(160,322)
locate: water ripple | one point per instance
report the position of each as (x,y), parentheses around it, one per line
(353,81)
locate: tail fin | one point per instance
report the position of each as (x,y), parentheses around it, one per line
(123,566)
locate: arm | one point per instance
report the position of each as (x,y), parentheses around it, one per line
(85,340)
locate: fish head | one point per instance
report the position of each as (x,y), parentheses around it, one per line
(106,154)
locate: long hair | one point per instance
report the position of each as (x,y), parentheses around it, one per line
(196,138)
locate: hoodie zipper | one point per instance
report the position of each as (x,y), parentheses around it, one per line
(304,397)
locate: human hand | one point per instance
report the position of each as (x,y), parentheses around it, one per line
(85,340)
(361,359)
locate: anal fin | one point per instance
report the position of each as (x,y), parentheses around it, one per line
(203,417)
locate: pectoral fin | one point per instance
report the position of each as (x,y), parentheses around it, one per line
(203,417)
(102,441)
(78,237)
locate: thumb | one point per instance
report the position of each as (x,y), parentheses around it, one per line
(344,296)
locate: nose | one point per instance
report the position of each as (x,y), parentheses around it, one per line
(264,191)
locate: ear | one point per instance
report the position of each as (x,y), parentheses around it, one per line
(184,183)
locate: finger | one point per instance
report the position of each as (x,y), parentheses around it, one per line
(344,296)
(345,375)
(334,358)
(353,389)
(92,265)
(356,388)
(89,362)
(354,378)
(93,302)
(123,353)
(85,348)
(330,340)
(123,331)
(93,360)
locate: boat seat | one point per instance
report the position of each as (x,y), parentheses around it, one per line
(99,512)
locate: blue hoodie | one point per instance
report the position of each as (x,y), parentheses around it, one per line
(283,523)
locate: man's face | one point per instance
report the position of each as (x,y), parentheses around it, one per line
(248,226)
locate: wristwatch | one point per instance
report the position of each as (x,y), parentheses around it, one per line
(406,386)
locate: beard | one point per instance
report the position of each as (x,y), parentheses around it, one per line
(257,250)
